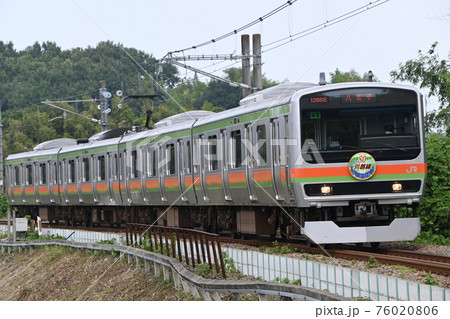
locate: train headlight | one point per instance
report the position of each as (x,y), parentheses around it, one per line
(397,187)
(326,190)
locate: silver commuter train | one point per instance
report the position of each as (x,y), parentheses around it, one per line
(333,163)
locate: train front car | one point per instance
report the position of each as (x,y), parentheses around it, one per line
(361,159)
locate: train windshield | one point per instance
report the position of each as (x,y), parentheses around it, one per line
(381,121)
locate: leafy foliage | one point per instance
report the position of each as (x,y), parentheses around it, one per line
(428,71)
(4,206)
(351,76)
(434,211)
(46,72)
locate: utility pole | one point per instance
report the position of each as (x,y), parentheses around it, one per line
(246,75)
(104,110)
(257,63)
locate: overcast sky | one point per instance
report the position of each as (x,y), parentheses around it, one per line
(376,40)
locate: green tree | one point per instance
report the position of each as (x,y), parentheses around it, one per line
(434,211)
(429,71)
(350,76)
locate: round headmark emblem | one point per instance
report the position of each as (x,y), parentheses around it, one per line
(362,166)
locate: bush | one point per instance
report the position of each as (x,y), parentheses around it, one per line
(434,211)
(4,206)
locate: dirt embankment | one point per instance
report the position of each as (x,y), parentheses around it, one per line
(56,273)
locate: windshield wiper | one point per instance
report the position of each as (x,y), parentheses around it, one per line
(355,148)
(388,145)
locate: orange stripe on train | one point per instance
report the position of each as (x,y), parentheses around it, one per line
(171,182)
(262,176)
(237,177)
(214,179)
(343,170)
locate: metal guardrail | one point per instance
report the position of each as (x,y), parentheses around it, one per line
(192,246)
(207,289)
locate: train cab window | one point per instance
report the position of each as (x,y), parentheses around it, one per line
(170,158)
(236,149)
(101,168)
(212,153)
(16,175)
(134,164)
(42,174)
(85,168)
(71,171)
(261,136)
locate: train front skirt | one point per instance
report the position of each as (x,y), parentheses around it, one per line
(327,232)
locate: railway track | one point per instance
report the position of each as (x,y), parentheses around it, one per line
(434,263)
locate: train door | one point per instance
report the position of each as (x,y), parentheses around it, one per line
(182,170)
(250,161)
(83,181)
(197,152)
(277,167)
(237,172)
(223,157)
(261,162)
(213,168)
(70,183)
(115,178)
(43,190)
(134,164)
(152,187)
(16,183)
(171,184)
(53,182)
(279,159)
(28,189)
(19,179)
(203,167)
(125,180)
(188,179)
(162,172)
(112,177)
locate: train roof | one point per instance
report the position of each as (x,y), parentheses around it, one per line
(280,94)
(57,143)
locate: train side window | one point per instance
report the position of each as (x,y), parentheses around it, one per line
(212,153)
(261,159)
(71,171)
(236,149)
(101,168)
(85,168)
(170,158)
(42,174)
(16,175)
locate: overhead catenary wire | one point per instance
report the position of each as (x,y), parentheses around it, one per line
(238,30)
(323,25)
(296,36)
